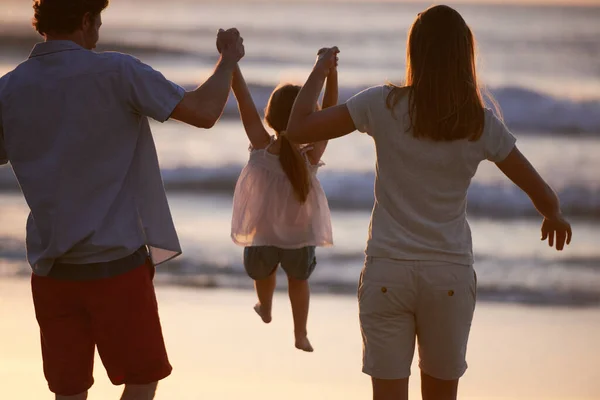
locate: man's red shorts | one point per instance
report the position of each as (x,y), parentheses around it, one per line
(119,315)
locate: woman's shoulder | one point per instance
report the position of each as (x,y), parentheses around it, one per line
(491,116)
(386,96)
(400,91)
(378,92)
(493,121)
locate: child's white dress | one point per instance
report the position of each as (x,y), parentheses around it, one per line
(266,211)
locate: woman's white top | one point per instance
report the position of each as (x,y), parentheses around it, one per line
(421,185)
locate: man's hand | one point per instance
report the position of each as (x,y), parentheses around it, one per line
(230,44)
(204,106)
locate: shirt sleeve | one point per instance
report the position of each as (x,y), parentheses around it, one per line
(3,155)
(498,140)
(148,92)
(361,108)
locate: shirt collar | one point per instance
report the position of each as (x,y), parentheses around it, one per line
(54,46)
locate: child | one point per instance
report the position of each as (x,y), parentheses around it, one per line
(418,283)
(280,212)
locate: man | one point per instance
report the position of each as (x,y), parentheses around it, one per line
(74,126)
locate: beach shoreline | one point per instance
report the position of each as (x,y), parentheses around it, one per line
(512,264)
(220,349)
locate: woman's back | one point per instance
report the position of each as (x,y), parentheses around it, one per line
(421,185)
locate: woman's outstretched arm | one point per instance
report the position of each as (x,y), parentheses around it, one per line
(258,135)
(309,126)
(555,227)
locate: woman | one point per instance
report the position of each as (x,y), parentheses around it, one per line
(418,282)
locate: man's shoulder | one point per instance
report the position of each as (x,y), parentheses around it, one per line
(6,78)
(116,58)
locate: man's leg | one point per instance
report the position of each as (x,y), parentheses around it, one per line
(66,336)
(128,333)
(82,396)
(140,392)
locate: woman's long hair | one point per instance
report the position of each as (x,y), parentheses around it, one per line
(444,99)
(292,161)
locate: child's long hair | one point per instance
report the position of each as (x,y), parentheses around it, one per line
(293,163)
(445,101)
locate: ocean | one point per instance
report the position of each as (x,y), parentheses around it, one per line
(542,64)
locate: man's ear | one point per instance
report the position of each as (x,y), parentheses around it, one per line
(88,21)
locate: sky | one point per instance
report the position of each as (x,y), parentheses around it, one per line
(521,2)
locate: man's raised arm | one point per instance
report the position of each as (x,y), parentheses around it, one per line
(204,106)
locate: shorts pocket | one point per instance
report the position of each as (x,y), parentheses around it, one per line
(383,299)
(387,283)
(453,296)
(387,325)
(451,306)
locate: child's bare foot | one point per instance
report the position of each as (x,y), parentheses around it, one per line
(303,344)
(262,313)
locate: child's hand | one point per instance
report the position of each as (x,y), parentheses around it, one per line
(333,70)
(327,59)
(556,230)
(323,50)
(230,44)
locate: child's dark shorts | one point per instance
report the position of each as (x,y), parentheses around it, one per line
(261,261)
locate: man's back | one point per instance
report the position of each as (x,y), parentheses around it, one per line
(74,126)
(76,133)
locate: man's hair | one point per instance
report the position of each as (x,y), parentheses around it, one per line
(63,16)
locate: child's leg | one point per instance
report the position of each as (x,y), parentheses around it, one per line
(264,290)
(299,292)
(261,263)
(299,265)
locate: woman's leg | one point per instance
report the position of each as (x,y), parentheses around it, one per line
(437,389)
(264,290)
(299,292)
(387,295)
(390,389)
(444,316)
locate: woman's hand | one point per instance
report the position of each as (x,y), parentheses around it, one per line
(518,169)
(557,230)
(327,60)
(306,124)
